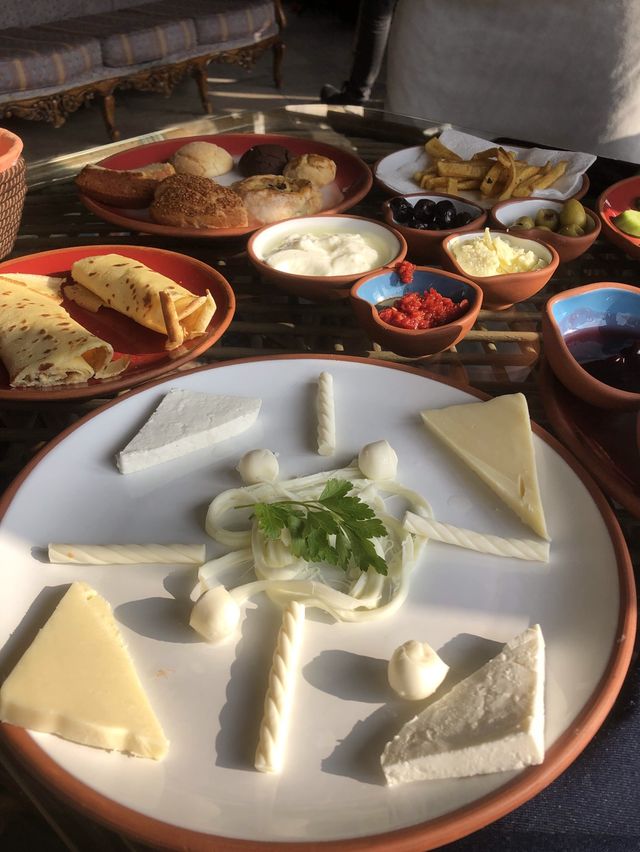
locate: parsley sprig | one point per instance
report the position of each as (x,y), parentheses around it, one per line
(312,524)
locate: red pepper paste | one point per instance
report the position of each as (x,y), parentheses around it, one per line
(404,270)
(423,311)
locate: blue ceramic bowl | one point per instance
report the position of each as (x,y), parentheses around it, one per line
(598,320)
(377,288)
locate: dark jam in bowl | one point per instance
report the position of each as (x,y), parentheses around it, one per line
(611,355)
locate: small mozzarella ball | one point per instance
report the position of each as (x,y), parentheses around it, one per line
(378,460)
(215,615)
(415,670)
(258,466)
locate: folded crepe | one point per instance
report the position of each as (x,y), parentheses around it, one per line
(130,287)
(41,345)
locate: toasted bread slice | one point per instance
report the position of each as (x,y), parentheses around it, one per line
(123,188)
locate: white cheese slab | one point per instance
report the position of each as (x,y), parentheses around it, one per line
(186,421)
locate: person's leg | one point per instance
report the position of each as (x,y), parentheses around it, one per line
(372,32)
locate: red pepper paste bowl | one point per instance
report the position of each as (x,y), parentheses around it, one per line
(591,338)
(445,290)
(389,244)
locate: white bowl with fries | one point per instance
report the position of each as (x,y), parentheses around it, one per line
(483,172)
(507,288)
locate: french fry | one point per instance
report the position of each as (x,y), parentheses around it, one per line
(488,185)
(487,154)
(468,184)
(507,161)
(551,176)
(452,185)
(525,171)
(462,169)
(438,151)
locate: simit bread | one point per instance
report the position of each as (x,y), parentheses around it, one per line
(271,198)
(123,188)
(189,201)
(314,167)
(203,159)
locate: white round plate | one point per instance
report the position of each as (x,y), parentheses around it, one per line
(209,698)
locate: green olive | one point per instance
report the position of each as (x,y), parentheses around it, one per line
(588,225)
(571,231)
(573,213)
(543,227)
(524,222)
(547,217)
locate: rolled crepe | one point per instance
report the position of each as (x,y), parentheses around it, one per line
(41,345)
(132,289)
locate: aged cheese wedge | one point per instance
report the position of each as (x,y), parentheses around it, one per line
(494,438)
(186,421)
(492,721)
(77,680)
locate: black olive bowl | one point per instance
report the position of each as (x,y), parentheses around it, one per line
(425,219)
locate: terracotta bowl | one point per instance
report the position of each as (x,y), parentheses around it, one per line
(503,216)
(10,149)
(378,288)
(423,246)
(587,311)
(391,246)
(503,291)
(613,201)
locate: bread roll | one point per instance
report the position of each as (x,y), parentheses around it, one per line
(203,159)
(314,167)
(188,201)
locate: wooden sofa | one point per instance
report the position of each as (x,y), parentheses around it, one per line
(55,56)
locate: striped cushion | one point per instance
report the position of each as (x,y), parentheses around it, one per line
(37,57)
(220,21)
(136,35)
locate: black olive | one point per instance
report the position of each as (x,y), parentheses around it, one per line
(401,209)
(423,209)
(462,218)
(443,205)
(445,218)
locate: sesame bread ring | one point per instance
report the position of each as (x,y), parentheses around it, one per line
(189,201)
(271,198)
(314,167)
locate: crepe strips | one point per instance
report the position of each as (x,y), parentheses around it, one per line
(41,345)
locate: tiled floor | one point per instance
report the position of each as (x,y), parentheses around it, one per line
(318,51)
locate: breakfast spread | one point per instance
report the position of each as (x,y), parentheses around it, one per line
(78,681)
(264,160)
(41,345)
(486,255)
(325,407)
(493,721)
(193,201)
(494,439)
(129,188)
(278,700)
(415,670)
(133,289)
(127,554)
(571,220)
(429,310)
(495,172)
(321,254)
(313,167)
(202,158)
(183,422)
(271,198)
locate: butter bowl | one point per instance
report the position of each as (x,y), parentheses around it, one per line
(506,289)
(383,288)
(389,245)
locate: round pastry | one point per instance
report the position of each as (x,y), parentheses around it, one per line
(314,167)
(189,201)
(202,158)
(271,198)
(264,160)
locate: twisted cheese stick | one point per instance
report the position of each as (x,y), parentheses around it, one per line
(326,415)
(128,554)
(279,697)
(518,548)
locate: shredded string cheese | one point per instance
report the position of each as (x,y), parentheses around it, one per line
(128,554)
(326,415)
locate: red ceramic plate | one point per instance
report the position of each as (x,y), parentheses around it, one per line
(606,442)
(149,358)
(353,179)
(614,200)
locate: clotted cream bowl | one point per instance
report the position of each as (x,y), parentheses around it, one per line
(389,244)
(587,324)
(504,290)
(382,288)
(506,214)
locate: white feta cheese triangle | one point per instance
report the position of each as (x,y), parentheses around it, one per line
(186,421)
(77,680)
(494,438)
(492,721)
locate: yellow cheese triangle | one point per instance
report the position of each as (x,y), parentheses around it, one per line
(77,680)
(494,438)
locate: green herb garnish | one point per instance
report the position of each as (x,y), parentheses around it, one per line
(312,523)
